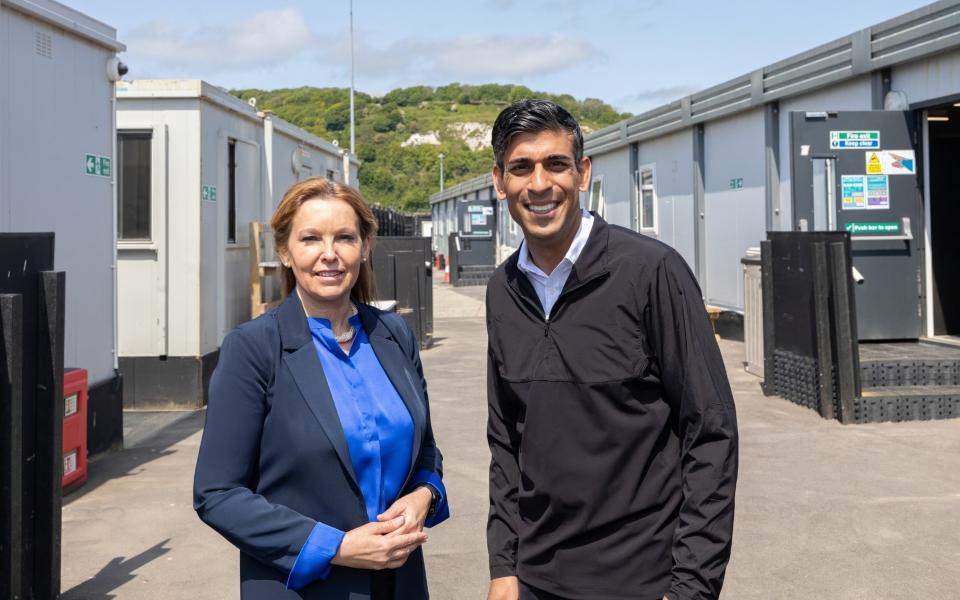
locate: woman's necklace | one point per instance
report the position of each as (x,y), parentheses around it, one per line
(347,335)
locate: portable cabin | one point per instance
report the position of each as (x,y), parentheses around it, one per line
(856,135)
(468,210)
(58,68)
(196,167)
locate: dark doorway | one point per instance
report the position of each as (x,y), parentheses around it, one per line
(944,132)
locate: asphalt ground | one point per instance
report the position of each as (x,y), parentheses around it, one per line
(861,512)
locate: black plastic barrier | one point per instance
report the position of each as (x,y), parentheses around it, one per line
(31,403)
(403,271)
(810,325)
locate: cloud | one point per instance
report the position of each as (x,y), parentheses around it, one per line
(242,49)
(264,39)
(517,56)
(469,57)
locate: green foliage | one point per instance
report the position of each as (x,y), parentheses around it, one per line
(337,117)
(405,177)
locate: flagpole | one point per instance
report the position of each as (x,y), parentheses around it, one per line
(353,139)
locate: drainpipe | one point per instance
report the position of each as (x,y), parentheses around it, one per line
(113,225)
(115,71)
(267,117)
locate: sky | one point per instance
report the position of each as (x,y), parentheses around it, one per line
(633,54)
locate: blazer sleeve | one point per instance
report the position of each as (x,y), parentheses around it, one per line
(227,465)
(429,467)
(696,386)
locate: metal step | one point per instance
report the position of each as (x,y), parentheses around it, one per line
(474,275)
(909,372)
(907,403)
(471,281)
(906,364)
(477,269)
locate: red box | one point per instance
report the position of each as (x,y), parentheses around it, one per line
(75,390)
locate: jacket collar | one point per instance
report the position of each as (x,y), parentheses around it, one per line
(295,331)
(593,258)
(591,263)
(301,357)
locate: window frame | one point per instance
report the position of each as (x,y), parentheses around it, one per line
(652,188)
(232,191)
(600,207)
(149,242)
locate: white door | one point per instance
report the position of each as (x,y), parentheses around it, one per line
(142,240)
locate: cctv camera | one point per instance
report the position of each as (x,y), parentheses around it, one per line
(116,69)
(857,276)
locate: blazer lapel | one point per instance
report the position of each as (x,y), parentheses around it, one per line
(401,373)
(301,358)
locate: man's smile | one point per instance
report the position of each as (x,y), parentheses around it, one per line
(542,209)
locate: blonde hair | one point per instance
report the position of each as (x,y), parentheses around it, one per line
(323,189)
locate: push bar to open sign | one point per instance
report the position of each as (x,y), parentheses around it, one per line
(877,231)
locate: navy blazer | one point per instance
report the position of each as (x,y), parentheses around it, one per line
(273,460)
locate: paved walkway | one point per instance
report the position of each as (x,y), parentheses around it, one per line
(823,511)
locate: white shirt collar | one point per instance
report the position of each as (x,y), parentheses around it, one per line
(526,264)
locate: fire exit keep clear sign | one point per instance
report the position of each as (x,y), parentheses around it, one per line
(854,140)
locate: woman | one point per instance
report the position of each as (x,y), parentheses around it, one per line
(318,459)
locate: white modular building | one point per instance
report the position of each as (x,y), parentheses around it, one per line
(854,135)
(57,73)
(196,166)
(471,211)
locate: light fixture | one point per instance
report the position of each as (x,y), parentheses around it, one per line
(957,104)
(933,118)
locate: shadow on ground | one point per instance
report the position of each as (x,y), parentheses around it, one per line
(114,574)
(149,437)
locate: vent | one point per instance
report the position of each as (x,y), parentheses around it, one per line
(43,44)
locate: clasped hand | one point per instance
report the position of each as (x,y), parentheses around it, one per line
(388,542)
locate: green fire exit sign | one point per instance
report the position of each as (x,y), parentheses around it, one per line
(98,165)
(208,193)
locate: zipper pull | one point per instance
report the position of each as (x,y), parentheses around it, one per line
(546,329)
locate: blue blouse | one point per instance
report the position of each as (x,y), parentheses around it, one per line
(379,433)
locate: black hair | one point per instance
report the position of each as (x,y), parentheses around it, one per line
(534,116)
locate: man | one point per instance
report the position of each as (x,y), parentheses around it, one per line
(611,423)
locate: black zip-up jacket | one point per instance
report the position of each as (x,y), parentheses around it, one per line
(611,428)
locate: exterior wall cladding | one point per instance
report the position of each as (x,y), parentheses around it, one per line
(720,158)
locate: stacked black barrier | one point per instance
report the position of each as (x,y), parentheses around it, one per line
(403,272)
(31,403)
(811,353)
(392,222)
(810,339)
(453,258)
(11,444)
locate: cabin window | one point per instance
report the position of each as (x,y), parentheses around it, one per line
(232,191)
(595,202)
(134,186)
(646,198)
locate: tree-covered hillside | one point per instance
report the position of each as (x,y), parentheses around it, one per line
(401,135)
